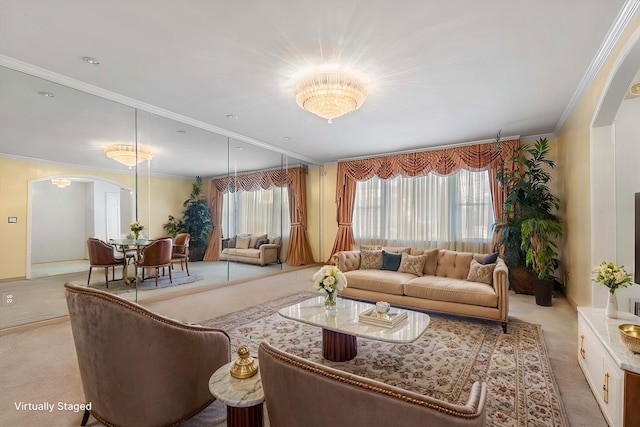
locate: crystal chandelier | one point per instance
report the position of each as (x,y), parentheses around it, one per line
(126,153)
(330,94)
(61,182)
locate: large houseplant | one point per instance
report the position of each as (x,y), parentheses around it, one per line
(196,221)
(529,226)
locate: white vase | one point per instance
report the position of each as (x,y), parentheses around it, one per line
(612,306)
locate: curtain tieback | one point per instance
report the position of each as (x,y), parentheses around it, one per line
(295,223)
(344,224)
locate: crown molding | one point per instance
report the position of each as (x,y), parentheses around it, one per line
(617,28)
(61,79)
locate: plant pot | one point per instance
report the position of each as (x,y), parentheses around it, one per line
(521,280)
(196,253)
(544,291)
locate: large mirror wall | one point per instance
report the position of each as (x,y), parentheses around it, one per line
(50,131)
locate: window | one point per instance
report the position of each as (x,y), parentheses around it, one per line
(452,211)
(256,212)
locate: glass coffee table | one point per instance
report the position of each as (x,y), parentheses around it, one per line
(341,327)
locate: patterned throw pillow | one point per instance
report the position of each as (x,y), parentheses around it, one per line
(481,273)
(370,260)
(412,264)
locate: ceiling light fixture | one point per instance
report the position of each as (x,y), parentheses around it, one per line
(330,94)
(126,153)
(46,94)
(635,89)
(90,60)
(61,182)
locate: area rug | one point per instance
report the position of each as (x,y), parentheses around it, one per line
(443,363)
(119,286)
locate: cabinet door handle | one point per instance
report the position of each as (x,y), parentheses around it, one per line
(605,387)
(582,352)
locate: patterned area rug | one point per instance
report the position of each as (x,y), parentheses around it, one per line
(443,363)
(119,286)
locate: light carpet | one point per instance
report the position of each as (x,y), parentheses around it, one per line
(443,363)
(119,286)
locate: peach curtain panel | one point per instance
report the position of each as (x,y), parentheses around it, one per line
(443,162)
(299,249)
(215,205)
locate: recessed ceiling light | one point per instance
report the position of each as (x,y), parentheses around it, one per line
(286,138)
(231,116)
(47,94)
(635,89)
(90,60)
(239,148)
(181,132)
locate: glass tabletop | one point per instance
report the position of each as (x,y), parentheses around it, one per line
(345,320)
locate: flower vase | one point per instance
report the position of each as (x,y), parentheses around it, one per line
(330,301)
(136,235)
(612,306)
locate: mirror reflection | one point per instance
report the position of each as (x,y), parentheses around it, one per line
(244,190)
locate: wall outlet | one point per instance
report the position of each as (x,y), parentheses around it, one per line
(8,298)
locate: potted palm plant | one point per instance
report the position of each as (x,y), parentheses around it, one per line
(196,221)
(529,226)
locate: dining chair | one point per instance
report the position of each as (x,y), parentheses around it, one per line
(139,368)
(156,255)
(102,255)
(181,251)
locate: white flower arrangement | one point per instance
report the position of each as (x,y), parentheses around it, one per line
(329,279)
(611,276)
(136,227)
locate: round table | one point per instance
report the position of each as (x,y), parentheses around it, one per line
(244,397)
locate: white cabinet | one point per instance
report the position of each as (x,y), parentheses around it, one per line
(611,370)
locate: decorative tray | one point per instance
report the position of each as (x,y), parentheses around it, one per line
(387,320)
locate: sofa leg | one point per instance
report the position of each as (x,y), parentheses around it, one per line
(85,418)
(504,327)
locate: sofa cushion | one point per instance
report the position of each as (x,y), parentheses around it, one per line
(451,290)
(454,264)
(397,249)
(390,261)
(411,264)
(243,242)
(231,243)
(481,273)
(248,253)
(370,260)
(261,242)
(490,259)
(275,240)
(254,239)
(368,248)
(390,282)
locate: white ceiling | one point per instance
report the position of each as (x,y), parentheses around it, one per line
(441,71)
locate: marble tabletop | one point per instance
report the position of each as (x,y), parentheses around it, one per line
(606,330)
(239,393)
(345,320)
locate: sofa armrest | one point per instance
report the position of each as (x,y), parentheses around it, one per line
(269,252)
(501,286)
(347,260)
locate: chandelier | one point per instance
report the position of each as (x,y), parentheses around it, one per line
(330,94)
(126,153)
(61,182)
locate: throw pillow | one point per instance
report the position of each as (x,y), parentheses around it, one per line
(490,259)
(391,261)
(412,264)
(431,261)
(370,260)
(481,273)
(254,239)
(231,243)
(243,242)
(261,242)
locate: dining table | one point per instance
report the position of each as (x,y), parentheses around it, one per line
(122,245)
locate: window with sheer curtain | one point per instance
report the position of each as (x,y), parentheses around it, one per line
(256,212)
(452,212)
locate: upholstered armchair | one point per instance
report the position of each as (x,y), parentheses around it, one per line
(156,255)
(101,254)
(139,368)
(180,251)
(299,392)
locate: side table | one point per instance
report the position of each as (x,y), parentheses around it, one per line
(244,398)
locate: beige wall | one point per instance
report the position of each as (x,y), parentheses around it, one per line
(158,197)
(574,169)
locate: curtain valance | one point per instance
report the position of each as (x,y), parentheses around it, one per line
(255,180)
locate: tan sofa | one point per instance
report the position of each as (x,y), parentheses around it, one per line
(267,253)
(442,286)
(299,392)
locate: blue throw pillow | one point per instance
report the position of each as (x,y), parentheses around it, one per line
(490,259)
(391,261)
(261,242)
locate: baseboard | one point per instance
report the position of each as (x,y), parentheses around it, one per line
(33,325)
(13,279)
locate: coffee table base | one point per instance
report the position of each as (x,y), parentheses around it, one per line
(338,347)
(251,416)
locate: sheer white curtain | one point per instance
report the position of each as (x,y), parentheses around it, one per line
(257,212)
(432,211)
